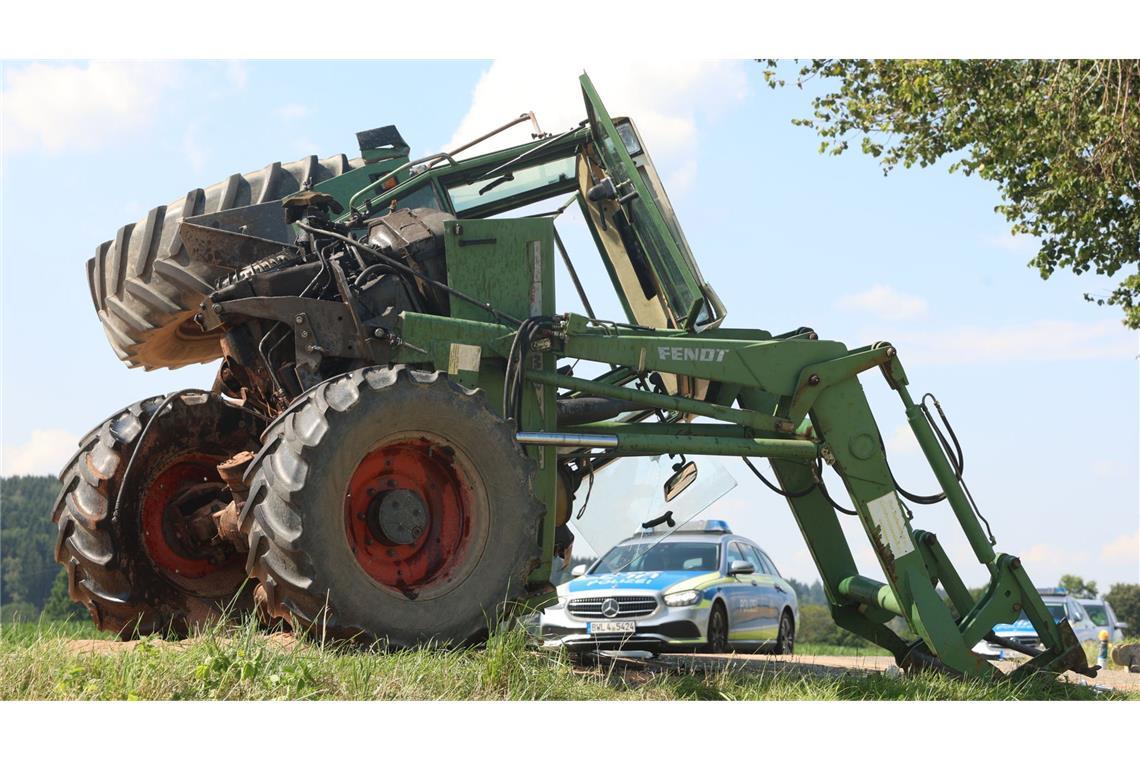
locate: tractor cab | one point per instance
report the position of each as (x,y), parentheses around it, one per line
(604,166)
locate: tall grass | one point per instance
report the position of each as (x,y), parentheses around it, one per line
(239,662)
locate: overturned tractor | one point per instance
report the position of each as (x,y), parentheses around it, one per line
(396,435)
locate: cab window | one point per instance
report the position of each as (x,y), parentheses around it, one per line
(512,182)
(423,196)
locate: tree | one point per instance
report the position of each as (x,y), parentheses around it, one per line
(28,537)
(1077,586)
(59,605)
(1125,601)
(1061,138)
(806,594)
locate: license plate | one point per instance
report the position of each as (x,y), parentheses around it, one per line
(611,626)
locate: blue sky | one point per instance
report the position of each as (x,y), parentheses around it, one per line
(1041,386)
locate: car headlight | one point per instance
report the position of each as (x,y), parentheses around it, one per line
(683,598)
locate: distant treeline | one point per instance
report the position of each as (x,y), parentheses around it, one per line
(31,582)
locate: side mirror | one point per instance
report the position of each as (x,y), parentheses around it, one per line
(1121,626)
(740,567)
(578,571)
(680,480)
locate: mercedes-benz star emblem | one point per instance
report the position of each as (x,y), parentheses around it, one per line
(610,608)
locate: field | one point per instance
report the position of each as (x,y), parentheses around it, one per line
(69,661)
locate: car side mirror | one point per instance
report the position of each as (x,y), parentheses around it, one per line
(1121,626)
(684,477)
(578,571)
(740,567)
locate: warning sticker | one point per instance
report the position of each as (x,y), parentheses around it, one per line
(887,515)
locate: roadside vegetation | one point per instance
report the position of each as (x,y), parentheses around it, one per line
(59,661)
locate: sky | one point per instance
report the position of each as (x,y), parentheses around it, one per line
(1042,387)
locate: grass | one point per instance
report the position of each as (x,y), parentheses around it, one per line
(40,661)
(1092,648)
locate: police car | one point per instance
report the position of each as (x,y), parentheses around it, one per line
(1060,605)
(700,587)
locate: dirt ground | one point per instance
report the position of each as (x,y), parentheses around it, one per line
(107,646)
(831,665)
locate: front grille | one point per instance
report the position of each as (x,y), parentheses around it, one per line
(628,607)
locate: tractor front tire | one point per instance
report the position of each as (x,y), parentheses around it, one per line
(392,505)
(146,288)
(123,511)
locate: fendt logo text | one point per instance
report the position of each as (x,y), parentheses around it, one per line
(681,354)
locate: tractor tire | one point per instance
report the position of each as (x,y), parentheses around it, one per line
(116,511)
(392,505)
(146,288)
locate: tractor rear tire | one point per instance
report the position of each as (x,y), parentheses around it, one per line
(392,505)
(146,288)
(118,516)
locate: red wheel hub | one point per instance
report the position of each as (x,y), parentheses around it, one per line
(408,513)
(182,488)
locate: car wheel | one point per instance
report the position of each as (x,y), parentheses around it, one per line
(786,638)
(718,630)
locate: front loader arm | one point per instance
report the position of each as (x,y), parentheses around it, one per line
(797,401)
(912,560)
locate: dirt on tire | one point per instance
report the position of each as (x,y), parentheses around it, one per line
(146,288)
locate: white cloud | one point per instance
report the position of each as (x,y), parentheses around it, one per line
(237,74)
(1108,468)
(59,107)
(884,302)
(196,153)
(682,178)
(902,441)
(293,111)
(1124,549)
(45,453)
(1057,560)
(1044,340)
(1012,243)
(666,99)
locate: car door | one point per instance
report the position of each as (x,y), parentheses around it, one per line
(741,597)
(770,594)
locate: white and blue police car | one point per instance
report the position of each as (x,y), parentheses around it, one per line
(701,587)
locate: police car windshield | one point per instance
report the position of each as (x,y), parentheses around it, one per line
(1056,610)
(696,556)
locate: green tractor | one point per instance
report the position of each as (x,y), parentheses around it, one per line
(396,437)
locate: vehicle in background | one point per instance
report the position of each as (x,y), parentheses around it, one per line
(699,587)
(1061,605)
(1101,614)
